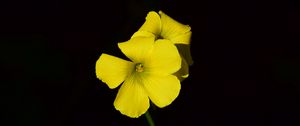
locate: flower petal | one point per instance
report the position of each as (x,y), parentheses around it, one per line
(185,52)
(183,72)
(184,38)
(112,70)
(143,34)
(152,23)
(172,29)
(137,48)
(132,100)
(164,60)
(162,90)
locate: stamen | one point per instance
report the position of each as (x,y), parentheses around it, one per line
(139,67)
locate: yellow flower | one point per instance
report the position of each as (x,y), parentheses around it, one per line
(147,76)
(161,26)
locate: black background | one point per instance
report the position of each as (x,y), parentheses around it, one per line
(246,67)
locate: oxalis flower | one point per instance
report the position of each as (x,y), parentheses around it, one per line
(147,76)
(161,26)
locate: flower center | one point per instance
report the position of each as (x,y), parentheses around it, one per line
(159,37)
(139,67)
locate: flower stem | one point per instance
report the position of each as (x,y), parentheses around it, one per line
(149,119)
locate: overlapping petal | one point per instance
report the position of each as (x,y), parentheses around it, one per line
(163,26)
(132,100)
(152,23)
(113,70)
(184,38)
(164,60)
(138,48)
(183,72)
(171,29)
(143,34)
(185,52)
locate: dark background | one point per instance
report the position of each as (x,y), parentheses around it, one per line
(246,69)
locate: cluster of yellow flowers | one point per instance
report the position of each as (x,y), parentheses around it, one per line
(160,58)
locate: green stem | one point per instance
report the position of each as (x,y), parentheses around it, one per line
(149,119)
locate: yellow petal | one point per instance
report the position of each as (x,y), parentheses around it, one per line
(137,48)
(172,29)
(152,23)
(162,90)
(185,52)
(112,70)
(132,99)
(183,72)
(143,34)
(184,38)
(165,59)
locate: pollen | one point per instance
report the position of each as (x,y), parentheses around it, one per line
(139,67)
